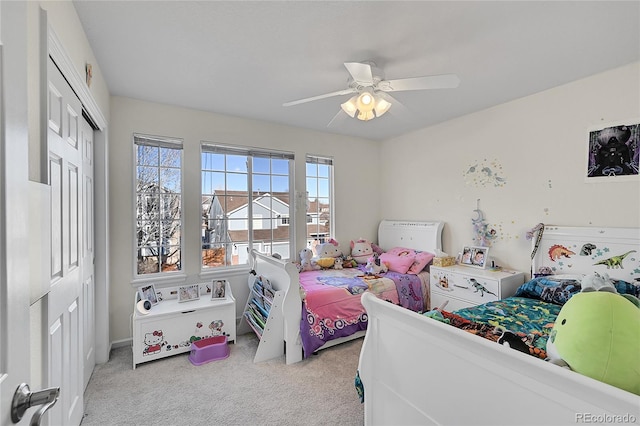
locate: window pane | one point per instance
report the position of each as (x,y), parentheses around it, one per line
(261,183)
(280,167)
(235,220)
(261,165)
(212,181)
(236,163)
(170,180)
(170,157)
(158,206)
(237,182)
(148,155)
(212,161)
(280,183)
(147,178)
(319,217)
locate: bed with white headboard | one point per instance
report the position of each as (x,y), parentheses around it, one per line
(416,370)
(421,236)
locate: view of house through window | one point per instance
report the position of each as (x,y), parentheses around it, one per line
(319,176)
(158,204)
(246,203)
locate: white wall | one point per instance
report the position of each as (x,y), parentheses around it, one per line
(540,144)
(352,157)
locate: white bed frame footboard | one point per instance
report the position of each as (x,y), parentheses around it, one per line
(418,371)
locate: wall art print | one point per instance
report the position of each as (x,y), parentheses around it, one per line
(614,152)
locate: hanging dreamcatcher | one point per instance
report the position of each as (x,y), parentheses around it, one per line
(484,235)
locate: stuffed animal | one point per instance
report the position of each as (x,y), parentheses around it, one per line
(327,254)
(348,262)
(338,263)
(361,250)
(374,266)
(328,249)
(596,334)
(305,260)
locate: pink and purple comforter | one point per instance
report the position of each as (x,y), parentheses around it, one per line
(331,305)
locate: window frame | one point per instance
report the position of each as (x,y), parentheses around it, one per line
(251,153)
(167,142)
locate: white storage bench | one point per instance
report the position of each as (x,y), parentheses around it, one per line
(170,326)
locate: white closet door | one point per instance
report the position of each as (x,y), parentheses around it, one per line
(65,326)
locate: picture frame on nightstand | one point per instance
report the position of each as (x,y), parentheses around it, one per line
(474,256)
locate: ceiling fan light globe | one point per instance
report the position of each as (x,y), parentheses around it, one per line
(365,102)
(350,107)
(366,115)
(381,107)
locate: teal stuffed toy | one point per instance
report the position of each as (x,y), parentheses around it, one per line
(597,334)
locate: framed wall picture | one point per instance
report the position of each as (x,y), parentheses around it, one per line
(613,152)
(219,287)
(188,292)
(148,292)
(474,256)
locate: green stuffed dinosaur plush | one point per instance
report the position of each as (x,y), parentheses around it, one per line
(597,334)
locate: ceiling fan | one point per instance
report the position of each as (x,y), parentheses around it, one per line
(371,90)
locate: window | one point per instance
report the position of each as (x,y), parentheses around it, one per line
(158,204)
(319,199)
(246,194)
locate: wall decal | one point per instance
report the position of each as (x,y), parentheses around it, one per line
(485,173)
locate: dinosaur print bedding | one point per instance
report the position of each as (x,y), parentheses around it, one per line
(331,305)
(525,320)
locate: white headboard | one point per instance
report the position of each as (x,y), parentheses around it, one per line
(417,235)
(585,250)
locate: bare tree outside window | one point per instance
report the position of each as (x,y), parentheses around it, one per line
(158,204)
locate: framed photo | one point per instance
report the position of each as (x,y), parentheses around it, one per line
(613,152)
(148,292)
(188,292)
(474,256)
(219,287)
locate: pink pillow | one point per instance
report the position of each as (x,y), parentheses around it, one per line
(401,251)
(395,263)
(422,259)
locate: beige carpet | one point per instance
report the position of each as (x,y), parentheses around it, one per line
(233,391)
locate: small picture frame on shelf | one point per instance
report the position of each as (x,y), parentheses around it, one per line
(189,292)
(474,256)
(219,288)
(148,292)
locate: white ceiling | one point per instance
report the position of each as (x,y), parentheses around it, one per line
(246,58)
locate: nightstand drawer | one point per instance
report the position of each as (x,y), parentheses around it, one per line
(465,286)
(475,290)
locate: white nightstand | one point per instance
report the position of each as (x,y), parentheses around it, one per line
(464,286)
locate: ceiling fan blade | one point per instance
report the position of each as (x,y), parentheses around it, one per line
(443,81)
(315,98)
(397,108)
(361,73)
(338,118)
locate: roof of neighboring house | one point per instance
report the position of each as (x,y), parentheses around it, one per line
(233,200)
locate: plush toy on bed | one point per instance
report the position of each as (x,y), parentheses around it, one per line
(305,260)
(375,266)
(361,250)
(596,334)
(327,254)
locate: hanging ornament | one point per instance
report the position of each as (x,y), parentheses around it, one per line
(484,235)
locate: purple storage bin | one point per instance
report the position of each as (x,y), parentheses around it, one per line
(209,349)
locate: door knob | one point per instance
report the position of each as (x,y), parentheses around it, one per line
(23,399)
